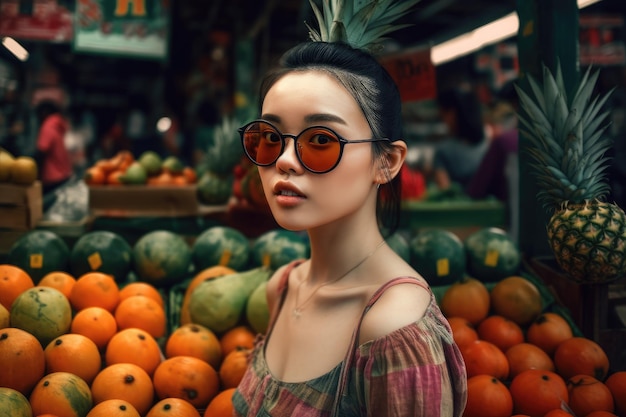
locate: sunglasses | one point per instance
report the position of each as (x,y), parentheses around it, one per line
(318,148)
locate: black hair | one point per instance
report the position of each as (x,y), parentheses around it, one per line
(376,94)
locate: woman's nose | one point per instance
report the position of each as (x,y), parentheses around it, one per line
(288,160)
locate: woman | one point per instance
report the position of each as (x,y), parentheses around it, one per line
(355,330)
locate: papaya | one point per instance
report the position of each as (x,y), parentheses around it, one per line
(219,303)
(257,310)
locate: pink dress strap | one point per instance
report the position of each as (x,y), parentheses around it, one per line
(343,378)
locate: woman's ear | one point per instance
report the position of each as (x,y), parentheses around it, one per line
(393,162)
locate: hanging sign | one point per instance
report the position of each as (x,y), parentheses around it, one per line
(40,20)
(137,28)
(414,74)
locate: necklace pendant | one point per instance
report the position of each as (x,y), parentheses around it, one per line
(297,312)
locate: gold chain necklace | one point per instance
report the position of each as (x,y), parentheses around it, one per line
(297,310)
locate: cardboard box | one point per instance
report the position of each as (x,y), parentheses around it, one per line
(143,200)
(21,207)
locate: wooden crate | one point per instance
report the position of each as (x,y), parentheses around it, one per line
(21,207)
(142,200)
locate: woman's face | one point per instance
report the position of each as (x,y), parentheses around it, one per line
(303,200)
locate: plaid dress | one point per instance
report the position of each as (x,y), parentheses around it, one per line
(413,371)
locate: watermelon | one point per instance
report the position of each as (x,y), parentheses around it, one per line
(221,245)
(38,253)
(101,251)
(278,247)
(13,403)
(400,245)
(438,255)
(492,255)
(162,258)
(214,189)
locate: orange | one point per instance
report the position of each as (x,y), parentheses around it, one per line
(548,331)
(114,408)
(61,394)
(73,353)
(5,317)
(463,331)
(233,368)
(95,175)
(535,392)
(616,383)
(22,360)
(587,394)
(500,331)
(134,346)
(186,377)
(13,282)
(141,288)
(124,381)
(581,356)
(221,405)
(174,407)
(517,299)
(95,289)
(557,412)
(96,323)
(467,298)
(141,312)
(195,340)
(487,396)
(482,357)
(525,356)
(58,280)
(239,337)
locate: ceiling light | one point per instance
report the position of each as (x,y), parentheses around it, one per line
(15,48)
(491,33)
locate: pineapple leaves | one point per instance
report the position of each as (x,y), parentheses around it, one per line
(566,141)
(360,23)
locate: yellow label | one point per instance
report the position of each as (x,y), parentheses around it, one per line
(36,260)
(95,261)
(443,267)
(267,260)
(491,259)
(225,258)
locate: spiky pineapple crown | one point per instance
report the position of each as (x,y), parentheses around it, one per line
(566,138)
(360,23)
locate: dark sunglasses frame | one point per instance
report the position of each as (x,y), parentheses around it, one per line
(342,142)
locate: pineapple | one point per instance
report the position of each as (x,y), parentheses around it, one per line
(216,170)
(568,150)
(360,23)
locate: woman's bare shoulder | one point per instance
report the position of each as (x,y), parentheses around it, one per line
(399,305)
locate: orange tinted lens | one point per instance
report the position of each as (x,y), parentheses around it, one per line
(263,143)
(319,149)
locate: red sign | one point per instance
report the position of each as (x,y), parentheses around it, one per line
(414,74)
(47,20)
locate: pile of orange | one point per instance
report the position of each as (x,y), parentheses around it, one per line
(117,356)
(522,361)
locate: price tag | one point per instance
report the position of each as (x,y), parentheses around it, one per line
(225,258)
(443,267)
(491,258)
(36,260)
(95,261)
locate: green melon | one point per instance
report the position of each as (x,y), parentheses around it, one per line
(400,245)
(438,255)
(278,247)
(101,251)
(162,258)
(221,245)
(492,255)
(43,312)
(215,189)
(40,252)
(257,309)
(14,404)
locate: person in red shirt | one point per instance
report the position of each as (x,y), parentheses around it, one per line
(53,158)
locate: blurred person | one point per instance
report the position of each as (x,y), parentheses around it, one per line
(52,156)
(458,155)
